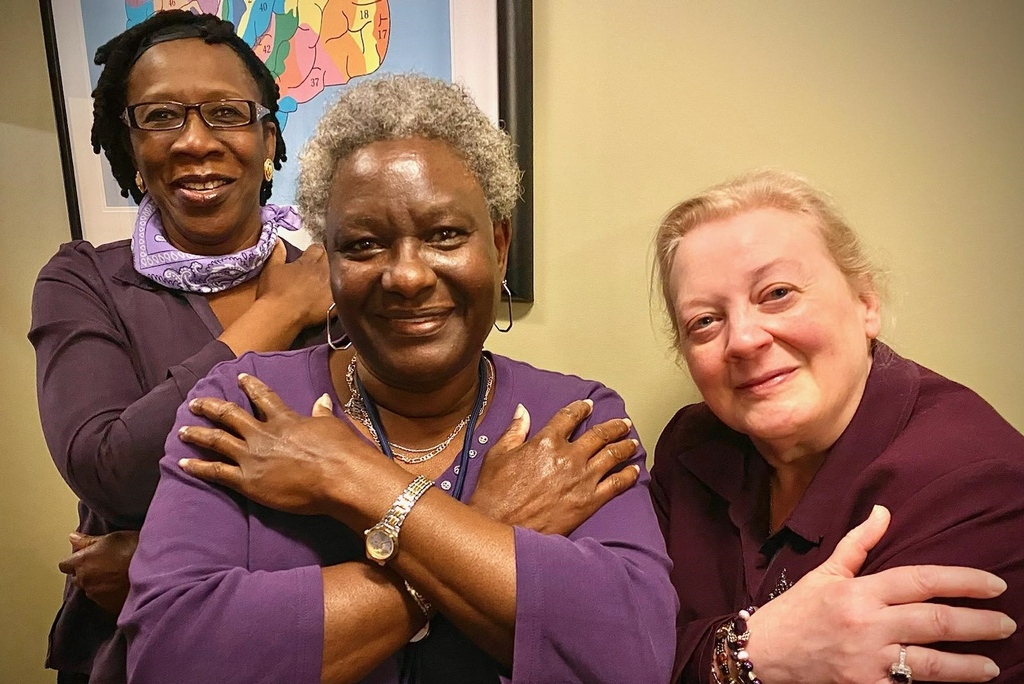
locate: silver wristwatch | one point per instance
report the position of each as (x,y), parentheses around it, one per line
(382,538)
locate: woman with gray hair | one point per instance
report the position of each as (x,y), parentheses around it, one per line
(418,526)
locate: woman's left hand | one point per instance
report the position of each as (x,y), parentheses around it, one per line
(551,484)
(279,458)
(835,625)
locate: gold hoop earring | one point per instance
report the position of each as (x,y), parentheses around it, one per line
(139,183)
(268,170)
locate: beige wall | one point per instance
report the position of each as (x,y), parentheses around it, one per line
(36,507)
(909,112)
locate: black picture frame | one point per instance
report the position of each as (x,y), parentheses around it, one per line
(60,114)
(515,112)
(515,109)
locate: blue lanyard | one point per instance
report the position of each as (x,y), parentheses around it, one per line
(467,442)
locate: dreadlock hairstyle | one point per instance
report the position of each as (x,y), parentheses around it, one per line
(117,56)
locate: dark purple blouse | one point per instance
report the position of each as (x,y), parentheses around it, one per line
(115,355)
(948,467)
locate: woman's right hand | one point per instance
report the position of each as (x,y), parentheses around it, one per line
(302,286)
(278,458)
(99,566)
(833,626)
(548,483)
(289,297)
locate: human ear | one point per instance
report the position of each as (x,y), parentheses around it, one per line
(270,140)
(502,241)
(872,313)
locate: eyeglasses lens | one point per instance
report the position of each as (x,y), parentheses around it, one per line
(227,113)
(163,116)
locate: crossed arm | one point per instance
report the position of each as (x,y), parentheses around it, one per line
(468,563)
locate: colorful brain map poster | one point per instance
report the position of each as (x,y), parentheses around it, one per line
(313,48)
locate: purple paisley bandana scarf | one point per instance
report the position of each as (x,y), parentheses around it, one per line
(158,260)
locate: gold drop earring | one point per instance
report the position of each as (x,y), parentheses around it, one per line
(139,183)
(268,169)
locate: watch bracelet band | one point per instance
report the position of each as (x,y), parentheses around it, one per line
(396,515)
(423,603)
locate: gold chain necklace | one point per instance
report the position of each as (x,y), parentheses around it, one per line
(356,409)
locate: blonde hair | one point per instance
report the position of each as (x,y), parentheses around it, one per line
(762,189)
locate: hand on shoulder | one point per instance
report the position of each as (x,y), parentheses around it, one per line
(833,626)
(301,286)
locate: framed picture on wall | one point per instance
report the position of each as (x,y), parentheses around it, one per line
(486,45)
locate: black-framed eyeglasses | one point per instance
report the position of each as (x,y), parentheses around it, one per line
(169,116)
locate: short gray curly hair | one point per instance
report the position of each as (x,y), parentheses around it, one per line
(396,106)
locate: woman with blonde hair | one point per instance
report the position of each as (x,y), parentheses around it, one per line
(776,491)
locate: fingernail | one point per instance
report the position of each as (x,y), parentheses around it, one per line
(183,463)
(590,403)
(183,431)
(242,376)
(991,669)
(325,401)
(636,468)
(1008,626)
(996,584)
(193,406)
(628,423)
(636,443)
(75,536)
(520,410)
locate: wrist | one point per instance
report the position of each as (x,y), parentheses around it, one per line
(382,539)
(486,506)
(265,326)
(361,495)
(732,662)
(499,507)
(280,312)
(757,646)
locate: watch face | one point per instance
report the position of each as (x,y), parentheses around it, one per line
(380,545)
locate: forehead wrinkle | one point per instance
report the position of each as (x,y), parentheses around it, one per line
(761,272)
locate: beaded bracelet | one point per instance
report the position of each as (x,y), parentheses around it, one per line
(731,661)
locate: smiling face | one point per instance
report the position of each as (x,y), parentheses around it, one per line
(776,338)
(416,263)
(206,182)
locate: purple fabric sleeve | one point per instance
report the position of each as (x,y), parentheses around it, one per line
(597,606)
(694,639)
(940,524)
(104,432)
(195,608)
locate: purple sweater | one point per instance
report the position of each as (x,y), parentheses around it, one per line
(225,590)
(115,356)
(944,463)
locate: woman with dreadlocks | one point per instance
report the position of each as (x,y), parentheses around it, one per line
(186,114)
